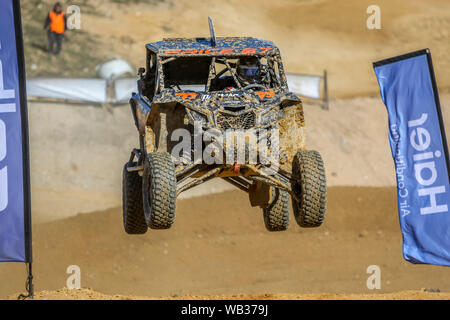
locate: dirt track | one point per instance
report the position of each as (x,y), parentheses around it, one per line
(89,294)
(219,246)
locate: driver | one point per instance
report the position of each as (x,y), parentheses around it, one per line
(248,71)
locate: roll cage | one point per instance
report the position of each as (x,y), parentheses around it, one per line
(158,76)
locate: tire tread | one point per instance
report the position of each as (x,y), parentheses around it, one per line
(309,173)
(133,210)
(276,215)
(162,190)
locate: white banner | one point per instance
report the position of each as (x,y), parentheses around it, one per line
(95,90)
(304,85)
(123,88)
(85,90)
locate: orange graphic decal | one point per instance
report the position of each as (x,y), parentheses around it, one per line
(249,50)
(187,95)
(213,51)
(172,51)
(265,94)
(264,50)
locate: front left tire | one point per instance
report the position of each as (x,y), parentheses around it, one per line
(276,214)
(133,210)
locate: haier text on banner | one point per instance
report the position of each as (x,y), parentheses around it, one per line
(425,166)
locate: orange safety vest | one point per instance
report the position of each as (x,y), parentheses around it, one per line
(57,22)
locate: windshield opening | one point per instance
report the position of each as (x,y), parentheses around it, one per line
(218,73)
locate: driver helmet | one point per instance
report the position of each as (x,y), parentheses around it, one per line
(248,70)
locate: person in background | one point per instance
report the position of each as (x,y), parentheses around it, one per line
(56,25)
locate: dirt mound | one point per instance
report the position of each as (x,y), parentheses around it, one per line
(89,294)
(219,245)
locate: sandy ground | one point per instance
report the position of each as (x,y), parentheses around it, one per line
(219,246)
(89,294)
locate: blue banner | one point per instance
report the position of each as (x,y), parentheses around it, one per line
(419,148)
(15,242)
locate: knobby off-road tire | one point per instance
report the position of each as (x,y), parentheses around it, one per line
(133,210)
(310,187)
(159,190)
(276,214)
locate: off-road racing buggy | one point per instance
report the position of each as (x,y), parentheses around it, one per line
(191,85)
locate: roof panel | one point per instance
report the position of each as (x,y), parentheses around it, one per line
(178,46)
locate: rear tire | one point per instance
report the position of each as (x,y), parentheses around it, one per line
(276,214)
(133,210)
(310,188)
(159,190)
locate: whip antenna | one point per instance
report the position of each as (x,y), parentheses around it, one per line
(212,32)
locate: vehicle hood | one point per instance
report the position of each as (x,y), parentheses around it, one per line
(233,100)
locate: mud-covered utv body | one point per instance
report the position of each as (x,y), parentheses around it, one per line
(190,96)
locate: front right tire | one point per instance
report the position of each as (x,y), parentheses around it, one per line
(310,187)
